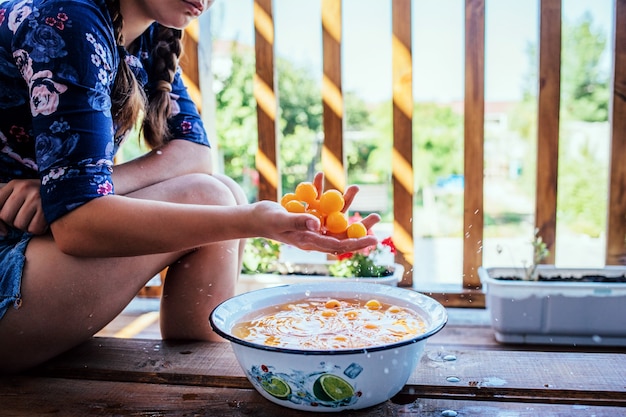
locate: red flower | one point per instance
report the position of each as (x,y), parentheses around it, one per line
(2,13)
(389,243)
(344,256)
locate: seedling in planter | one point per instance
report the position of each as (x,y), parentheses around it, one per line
(540,252)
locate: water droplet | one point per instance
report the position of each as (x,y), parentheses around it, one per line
(449,413)
(449,358)
(493,381)
(386,370)
(596,338)
(453,379)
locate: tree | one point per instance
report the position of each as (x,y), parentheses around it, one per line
(300,121)
(584,82)
(235,121)
(584,98)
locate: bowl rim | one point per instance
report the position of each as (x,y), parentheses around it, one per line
(325,286)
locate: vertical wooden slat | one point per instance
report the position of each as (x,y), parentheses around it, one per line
(473,217)
(333,163)
(402,155)
(548,123)
(616,218)
(189,62)
(265,96)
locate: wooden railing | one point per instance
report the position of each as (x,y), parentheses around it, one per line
(402,172)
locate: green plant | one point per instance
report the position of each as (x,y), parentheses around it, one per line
(540,252)
(260,256)
(363,263)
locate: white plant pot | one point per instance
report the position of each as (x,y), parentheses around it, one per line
(562,313)
(250,282)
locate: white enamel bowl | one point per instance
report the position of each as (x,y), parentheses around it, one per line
(300,379)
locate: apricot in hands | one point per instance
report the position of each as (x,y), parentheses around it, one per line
(328,207)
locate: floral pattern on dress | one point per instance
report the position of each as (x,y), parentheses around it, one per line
(99,97)
(58,62)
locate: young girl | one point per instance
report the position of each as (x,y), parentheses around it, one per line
(79,237)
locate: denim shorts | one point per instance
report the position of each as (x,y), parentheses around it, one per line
(12,248)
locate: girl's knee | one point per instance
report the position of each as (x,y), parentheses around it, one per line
(236,190)
(203,189)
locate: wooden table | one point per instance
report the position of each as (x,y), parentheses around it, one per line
(108,376)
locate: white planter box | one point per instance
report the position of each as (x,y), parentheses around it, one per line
(564,313)
(250,282)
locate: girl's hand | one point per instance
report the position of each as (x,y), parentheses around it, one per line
(20,207)
(348,196)
(304,230)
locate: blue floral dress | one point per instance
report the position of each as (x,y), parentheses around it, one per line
(58,61)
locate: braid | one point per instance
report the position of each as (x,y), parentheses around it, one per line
(166,54)
(127,98)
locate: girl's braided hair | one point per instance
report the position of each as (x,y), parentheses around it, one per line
(128,100)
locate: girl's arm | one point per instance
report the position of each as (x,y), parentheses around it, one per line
(122,226)
(180,157)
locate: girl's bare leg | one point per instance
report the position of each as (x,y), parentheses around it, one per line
(198,282)
(195,284)
(66,299)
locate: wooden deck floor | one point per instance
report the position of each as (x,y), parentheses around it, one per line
(170,378)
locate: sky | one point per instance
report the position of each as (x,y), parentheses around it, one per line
(438,41)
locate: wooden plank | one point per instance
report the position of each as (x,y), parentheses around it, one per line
(548,123)
(551,377)
(474,129)
(461,298)
(25,397)
(488,374)
(267,104)
(616,218)
(28,397)
(333,159)
(402,155)
(189,63)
